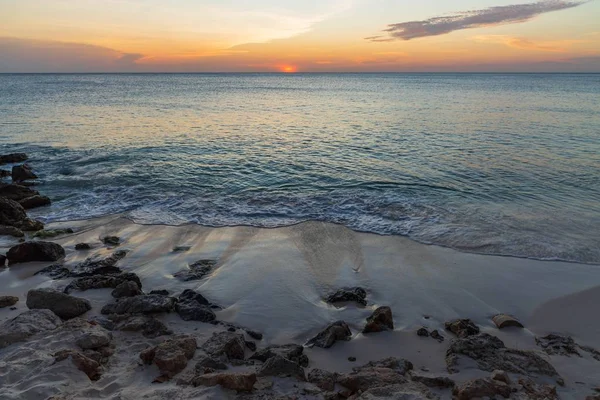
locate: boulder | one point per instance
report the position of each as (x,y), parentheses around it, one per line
(292,352)
(126,289)
(195,271)
(282,367)
(111,240)
(35,251)
(481,388)
(12,158)
(99,266)
(381,320)
(4,173)
(85,364)
(8,301)
(172,355)
(338,330)
(22,173)
(12,214)
(16,192)
(6,230)
(210,363)
(102,282)
(238,381)
(50,233)
(143,304)
(82,246)
(26,325)
(94,339)
(150,327)
(35,202)
(192,306)
(59,303)
(225,344)
(462,327)
(355,294)
(504,321)
(322,379)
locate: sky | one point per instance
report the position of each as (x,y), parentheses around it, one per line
(299,36)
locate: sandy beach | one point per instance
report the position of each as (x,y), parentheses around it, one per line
(274,281)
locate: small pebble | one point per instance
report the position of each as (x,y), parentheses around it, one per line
(351,359)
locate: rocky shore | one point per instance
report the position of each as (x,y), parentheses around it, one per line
(87,320)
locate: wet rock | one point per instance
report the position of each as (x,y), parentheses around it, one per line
(103,322)
(172,355)
(178,249)
(2,261)
(399,365)
(381,320)
(143,304)
(225,344)
(564,345)
(423,332)
(195,271)
(99,266)
(111,240)
(102,282)
(6,230)
(322,379)
(437,336)
(150,327)
(8,301)
(481,388)
(490,354)
(82,246)
(4,173)
(59,303)
(253,334)
(50,233)
(529,390)
(338,330)
(239,381)
(367,378)
(439,382)
(94,339)
(250,345)
(21,173)
(292,352)
(85,364)
(462,327)
(352,359)
(26,325)
(504,321)
(192,306)
(16,192)
(35,251)
(499,375)
(12,214)
(407,391)
(282,367)
(35,202)
(12,158)
(210,363)
(54,271)
(126,289)
(355,294)
(161,292)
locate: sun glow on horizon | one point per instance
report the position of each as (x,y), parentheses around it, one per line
(288,69)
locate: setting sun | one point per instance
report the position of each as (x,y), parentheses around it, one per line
(289,69)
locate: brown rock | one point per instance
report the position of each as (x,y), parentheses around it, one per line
(499,375)
(324,380)
(228,344)
(8,301)
(381,320)
(172,355)
(241,382)
(504,321)
(85,364)
(462,327)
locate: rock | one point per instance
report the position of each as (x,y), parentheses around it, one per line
(85,364)
(12,214)
(178,249)
(227,344)
(532,391)
(8,301)
(423,332)
(564,345)
(172,355)
(126,289)
(12,158)
(282,367)
(192,306)
(352,359)
(35,251)
(35,202)
(499,375)
(480,388)
(4,173)
(30,225)
(16,192)
(462,327)
(149,326)
(2,261)
(209,362)
(82,246)
(99,266)
(253,334)
(102,282)
(439,382)
(50,233)
(195,271)
(250,345)
(103,322)
(6,230)
(111,240)
(504,321)
(367,378)
(322,379)
(26,325)
(406,391)
(437,336)
(399,365)
(160,292)
(94,339)
(239,381)
(143,304)
(22,173)
(338,330)
(490,354)
(355,294)
(292,352)
(61,304)
(380,320)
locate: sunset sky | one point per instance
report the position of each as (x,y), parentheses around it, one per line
(304,36)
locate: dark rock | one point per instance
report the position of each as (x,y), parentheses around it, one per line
(150,327)
(16,192)
(408,390)
(399,365)
(12,214)
(564,345)
(490,354)
(102,282)
(59,303)
(103,322)
(381,320)
(2,261)
(50,233)
(99,266)
(250,345)
(227,344)
(356,294)
(94,339)
(143,304)
(35,202)
(6,230)
(192,306)
(190,295)
(437,336)
(532,391)
(85,364)
(4,173)
(195,271)
(172,355)
(82,246)
(423,332)
(126,289)
(292,352)
(462,327)
(375,374)
(35,251)
(8,301)
(178,249)
(480,388)
(352,359)
(22,173)
(279,366)
(12,158)
(440,382)
(161,292)
(322,379)
(501,376)
(338,330)
(26,325)
(238,381)
(253,334)
(504,321)
(111,240)
(209,362)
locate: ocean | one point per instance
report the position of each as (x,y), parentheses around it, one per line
(505,164)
